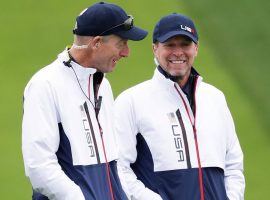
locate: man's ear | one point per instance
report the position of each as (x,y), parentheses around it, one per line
(197,48)
(155,46)
(95,43)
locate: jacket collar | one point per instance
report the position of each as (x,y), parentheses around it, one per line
(82,72)
(160,79)
(169,81)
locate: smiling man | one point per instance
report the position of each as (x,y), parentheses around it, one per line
(181,138)
(68,142)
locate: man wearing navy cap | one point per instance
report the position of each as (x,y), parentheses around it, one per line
(68,142)
(181,137)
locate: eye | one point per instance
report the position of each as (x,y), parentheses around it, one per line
(169,45)
(124,42)
(184,44)
(121,43)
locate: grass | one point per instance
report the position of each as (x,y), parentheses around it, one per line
(234,42)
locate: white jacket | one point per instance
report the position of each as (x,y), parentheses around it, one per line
(61,141)
(147,116)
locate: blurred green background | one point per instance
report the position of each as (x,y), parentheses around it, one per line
(233,56)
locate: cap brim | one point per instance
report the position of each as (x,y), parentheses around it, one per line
(134,34)
(175,33)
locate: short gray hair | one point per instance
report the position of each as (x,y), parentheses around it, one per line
(82,42)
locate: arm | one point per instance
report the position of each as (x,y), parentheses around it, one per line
(40,141)
(234,178)
(126,130)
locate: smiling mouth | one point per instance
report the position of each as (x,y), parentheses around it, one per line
(177,61)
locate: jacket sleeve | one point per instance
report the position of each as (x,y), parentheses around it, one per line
(40,141)
(126,130)
(234,178)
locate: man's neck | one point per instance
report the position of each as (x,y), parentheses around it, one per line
(80,56)
(175,79)
(183,82)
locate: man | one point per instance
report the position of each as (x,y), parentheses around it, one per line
(68,143)
(176,133)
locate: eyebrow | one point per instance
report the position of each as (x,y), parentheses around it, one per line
(122,40)
(186,40)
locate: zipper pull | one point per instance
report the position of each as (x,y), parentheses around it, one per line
(100,130)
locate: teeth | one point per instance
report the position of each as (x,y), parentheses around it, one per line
(177,61)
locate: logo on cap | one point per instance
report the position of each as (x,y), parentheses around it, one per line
(186,28)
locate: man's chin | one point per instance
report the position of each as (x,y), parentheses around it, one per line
(177,74)
(110,69)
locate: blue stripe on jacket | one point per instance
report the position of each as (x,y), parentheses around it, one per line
(177,184)
(92,179)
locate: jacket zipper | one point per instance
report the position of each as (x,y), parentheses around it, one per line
(97,105)
(200,176)
(106,161)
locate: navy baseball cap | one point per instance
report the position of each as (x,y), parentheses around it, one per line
(173,25)
(105,19)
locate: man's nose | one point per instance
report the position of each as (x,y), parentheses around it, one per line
(178,51)
(125,51)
